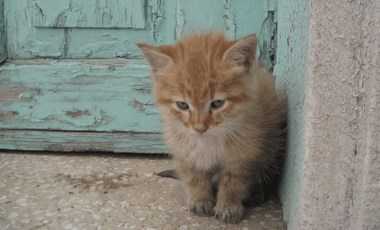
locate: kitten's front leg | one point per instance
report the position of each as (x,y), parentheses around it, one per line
(233,189)
(199,190)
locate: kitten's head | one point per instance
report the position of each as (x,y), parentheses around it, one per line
(202,82)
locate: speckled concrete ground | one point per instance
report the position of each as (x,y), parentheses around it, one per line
(77,191)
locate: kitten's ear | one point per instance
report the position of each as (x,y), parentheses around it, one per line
(242,53)
(157,60)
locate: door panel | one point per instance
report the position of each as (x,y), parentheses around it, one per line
(89,14)
(200,15)
(94,93)
(69,24)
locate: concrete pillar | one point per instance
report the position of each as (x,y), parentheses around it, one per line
(328,58)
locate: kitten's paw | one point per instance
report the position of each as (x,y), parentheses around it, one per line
(202,208)
(231,214)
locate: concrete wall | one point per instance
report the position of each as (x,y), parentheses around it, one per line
(329,57)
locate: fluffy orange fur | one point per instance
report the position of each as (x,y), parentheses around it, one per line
(222,119)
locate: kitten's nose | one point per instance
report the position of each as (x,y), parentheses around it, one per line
(201,129)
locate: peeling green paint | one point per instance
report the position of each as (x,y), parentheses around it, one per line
(229,19)
(39,29)
(44,94)
(268,44)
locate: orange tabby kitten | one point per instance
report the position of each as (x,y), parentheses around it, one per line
(222,119)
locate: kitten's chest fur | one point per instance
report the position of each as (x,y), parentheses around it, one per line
(203,152)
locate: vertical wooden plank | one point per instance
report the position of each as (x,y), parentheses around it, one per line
(162,21)
(198,15)
(249,15)
(255,16)
(3,53)
(272,5)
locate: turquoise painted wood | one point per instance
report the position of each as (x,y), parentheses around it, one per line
(89,14)
(75,80)
(110,29)
(107,95)
(118,142)
(3,53)
(86,29)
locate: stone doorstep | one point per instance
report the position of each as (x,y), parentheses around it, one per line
(88,191)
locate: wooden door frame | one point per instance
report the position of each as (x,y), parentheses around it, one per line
(3,51)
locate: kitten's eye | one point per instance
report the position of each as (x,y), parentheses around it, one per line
(217,104)
(182,105)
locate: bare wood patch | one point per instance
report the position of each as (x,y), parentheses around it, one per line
(77,113)
(11,94)
(138,105)
(7,115)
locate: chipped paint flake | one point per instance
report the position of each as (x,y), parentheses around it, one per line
(229,18)
(77,113)
(8,115)
(180,20)
(138,105)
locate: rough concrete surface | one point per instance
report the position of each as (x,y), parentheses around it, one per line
(341,188)
(81,191)
(329,56)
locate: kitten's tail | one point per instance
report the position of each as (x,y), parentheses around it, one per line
(169,173)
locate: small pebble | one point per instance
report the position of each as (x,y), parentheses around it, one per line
(69,226)
(22,202)
(25,221)
(183,227)
(13,215)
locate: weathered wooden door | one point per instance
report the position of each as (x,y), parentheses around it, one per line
(74,79)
